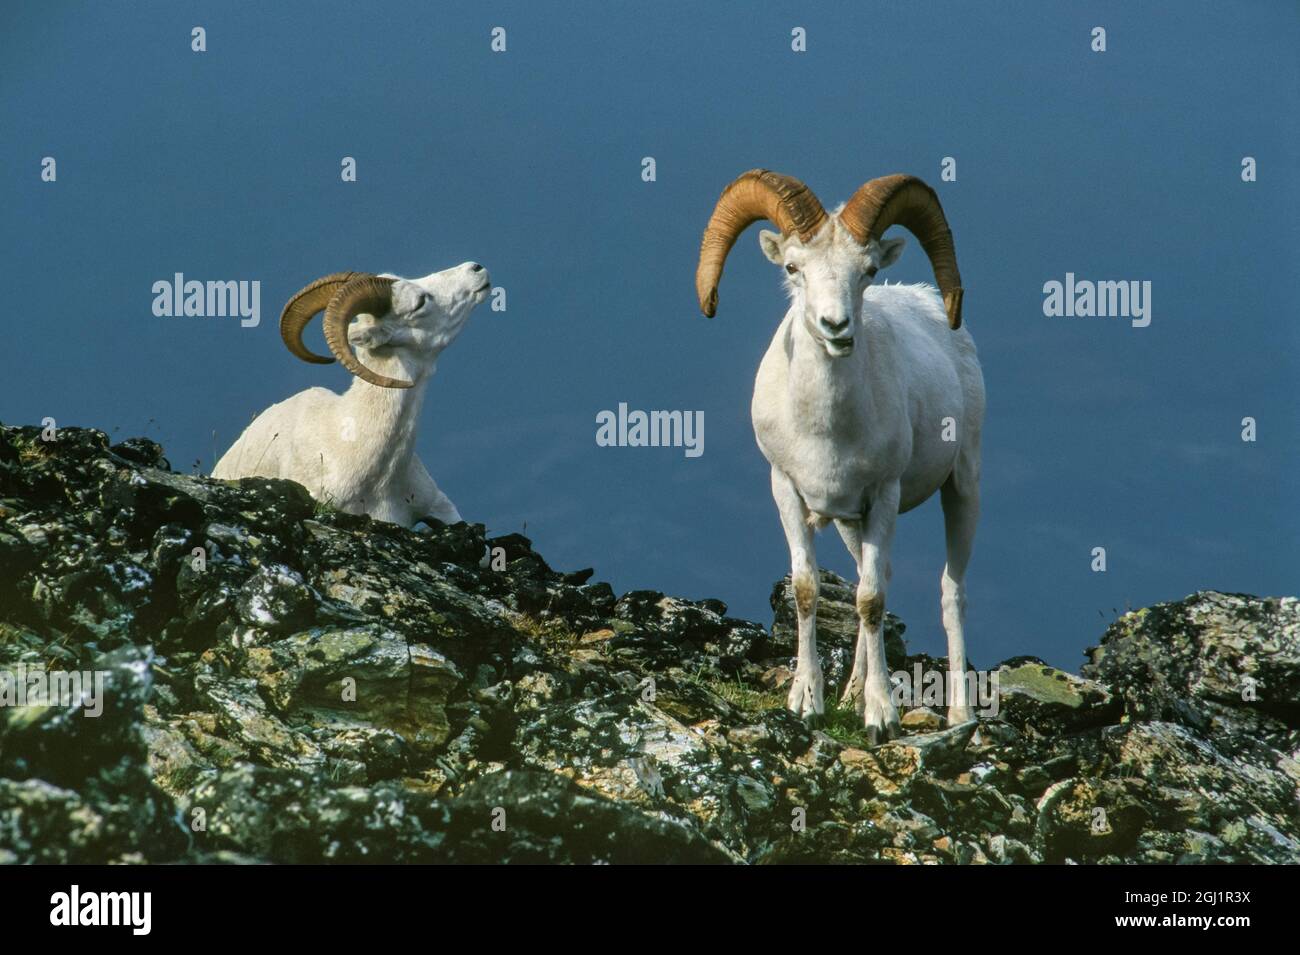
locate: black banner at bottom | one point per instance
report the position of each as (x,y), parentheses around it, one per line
(207,904)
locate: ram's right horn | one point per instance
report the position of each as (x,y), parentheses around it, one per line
(304,306)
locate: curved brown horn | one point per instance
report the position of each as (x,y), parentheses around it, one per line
(757,194)
(909,202)
(368,294)
(302,308)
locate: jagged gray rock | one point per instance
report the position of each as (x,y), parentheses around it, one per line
(320,687)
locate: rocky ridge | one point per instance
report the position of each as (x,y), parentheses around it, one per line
(312,686)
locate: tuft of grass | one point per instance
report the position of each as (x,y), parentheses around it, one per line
(32,453)
(843,724)
(745,697)
(547,631)
(738,693)
(323,509)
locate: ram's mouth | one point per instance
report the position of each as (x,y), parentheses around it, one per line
(840,346)
(484,287)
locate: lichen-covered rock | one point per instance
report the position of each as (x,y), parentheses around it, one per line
(1038,698)
(276,600)
(284,683)
(1222,663)
(75,781)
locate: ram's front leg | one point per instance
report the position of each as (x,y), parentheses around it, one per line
(442,509)
(805,697)
(868,687)
(429,501)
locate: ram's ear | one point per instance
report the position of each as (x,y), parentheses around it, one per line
(888,251)
(770,243)
(407,297)
(366,331)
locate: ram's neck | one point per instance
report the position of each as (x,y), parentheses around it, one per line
(827,395)
(382,422)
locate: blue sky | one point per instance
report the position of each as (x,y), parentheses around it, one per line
(1123,165)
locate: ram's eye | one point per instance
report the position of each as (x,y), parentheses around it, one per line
(792,269)
(871,271)
(419,302)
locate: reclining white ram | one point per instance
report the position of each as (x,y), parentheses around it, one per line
(356,451)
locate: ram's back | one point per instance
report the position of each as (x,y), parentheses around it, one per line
(275,441)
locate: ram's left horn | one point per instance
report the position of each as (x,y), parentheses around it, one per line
(909,202)
(368,295)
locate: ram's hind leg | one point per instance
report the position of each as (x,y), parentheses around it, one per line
(961,508)
(805,697)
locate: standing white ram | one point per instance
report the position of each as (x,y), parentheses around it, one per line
(356,451)
(869,399)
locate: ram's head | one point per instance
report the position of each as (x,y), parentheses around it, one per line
(829,258)
(382,314)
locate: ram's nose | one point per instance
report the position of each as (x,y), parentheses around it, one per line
(832,328)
